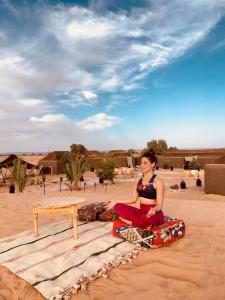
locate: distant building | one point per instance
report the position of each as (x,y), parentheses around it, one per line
(220,160)
(53,162)
(217,152)
(203,156)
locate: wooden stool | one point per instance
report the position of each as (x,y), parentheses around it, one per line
(61,206)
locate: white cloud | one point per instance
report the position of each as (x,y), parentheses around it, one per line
(142,49)
(98,121)
(32,102)
(128,46)
(90,96)
(49,118)
(129,87)
(21,76)
(110,84)
(2,115)
(87,29)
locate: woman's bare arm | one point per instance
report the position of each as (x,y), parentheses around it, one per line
(160,188)
(134,197)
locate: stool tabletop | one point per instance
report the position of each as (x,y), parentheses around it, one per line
(58,202)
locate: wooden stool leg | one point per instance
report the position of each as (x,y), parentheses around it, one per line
(36,224)
(71,220)
(74,216)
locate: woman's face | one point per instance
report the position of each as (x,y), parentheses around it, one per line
(146,165)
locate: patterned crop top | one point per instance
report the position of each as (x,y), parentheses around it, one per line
(146,191)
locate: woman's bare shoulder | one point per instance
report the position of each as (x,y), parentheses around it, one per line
(158,178)
(159,181)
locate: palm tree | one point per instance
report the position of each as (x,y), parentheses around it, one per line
(74,169)
(18,175)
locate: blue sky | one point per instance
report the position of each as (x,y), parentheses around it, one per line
(111,74)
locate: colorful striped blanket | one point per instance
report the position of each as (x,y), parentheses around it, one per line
(56,264)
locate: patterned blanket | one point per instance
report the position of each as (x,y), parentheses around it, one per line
(56,264)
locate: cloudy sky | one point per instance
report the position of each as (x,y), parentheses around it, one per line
(111,74)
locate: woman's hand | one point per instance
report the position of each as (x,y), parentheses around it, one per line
(151,212)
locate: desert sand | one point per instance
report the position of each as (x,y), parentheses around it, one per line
(189,269)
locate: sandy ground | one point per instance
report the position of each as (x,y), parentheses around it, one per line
(191,268)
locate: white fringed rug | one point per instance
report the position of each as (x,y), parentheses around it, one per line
(56,264)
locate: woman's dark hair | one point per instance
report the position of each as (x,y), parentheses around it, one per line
(149,153)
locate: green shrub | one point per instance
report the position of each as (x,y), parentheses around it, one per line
(193,164)
(174,186)
(18,175)
(166,164)
(106,170)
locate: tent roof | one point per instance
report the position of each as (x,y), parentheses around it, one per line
(8,161)
(31,159)
(55,155)
(3,157)
(94,154)
(119,153)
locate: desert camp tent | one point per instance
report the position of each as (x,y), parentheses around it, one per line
(52,163)
(9,160)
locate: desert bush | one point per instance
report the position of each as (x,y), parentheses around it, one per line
(166,164)
(174,186)
(193,164)
(106,170)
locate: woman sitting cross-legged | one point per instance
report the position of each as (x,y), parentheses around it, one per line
(149,189)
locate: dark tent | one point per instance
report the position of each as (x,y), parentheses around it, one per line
(8,162)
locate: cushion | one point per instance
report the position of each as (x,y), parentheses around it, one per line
(96,211)
(151,236)
(107,215)
(90,212)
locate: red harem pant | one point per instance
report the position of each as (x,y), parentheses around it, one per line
(138,217)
